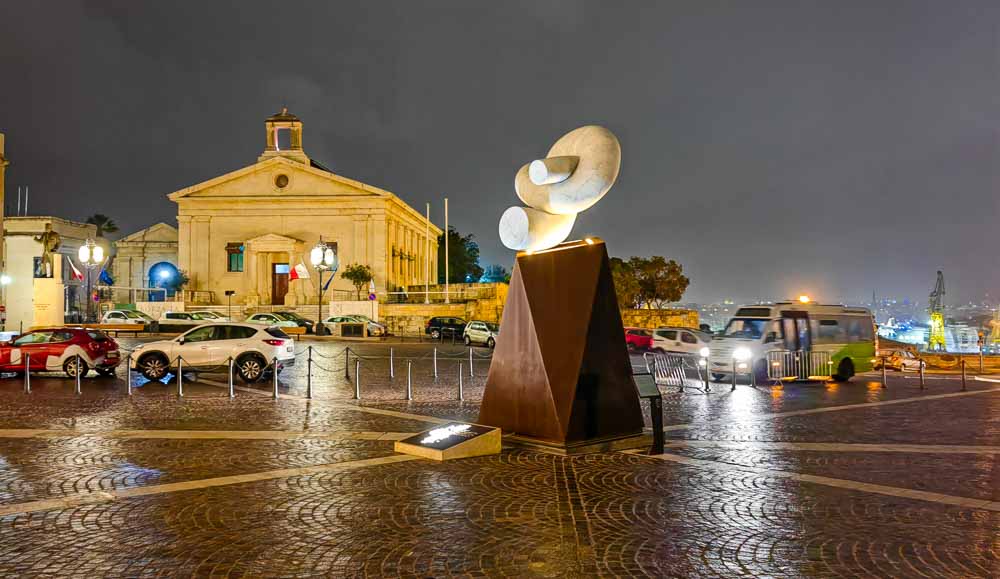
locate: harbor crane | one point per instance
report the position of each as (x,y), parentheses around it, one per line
(935,307)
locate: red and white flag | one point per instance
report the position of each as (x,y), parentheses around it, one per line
(299,272)
(76,273)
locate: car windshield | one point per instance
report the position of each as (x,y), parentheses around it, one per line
(98,336)
(493,327)
(745,328)
(276,333)
(285,316)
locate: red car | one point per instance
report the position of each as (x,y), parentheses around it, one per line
(638,339)
(55,349)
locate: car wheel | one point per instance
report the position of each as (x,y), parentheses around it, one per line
(436,334)
(153,366)
(468,341)
(69,366)
(845,370)
(251,368)
(491,343)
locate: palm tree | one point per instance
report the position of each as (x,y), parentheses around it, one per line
(104,224)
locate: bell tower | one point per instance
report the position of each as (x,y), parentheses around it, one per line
(284,137)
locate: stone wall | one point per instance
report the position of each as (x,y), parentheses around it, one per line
(473,301)
(410,319)
(657,318)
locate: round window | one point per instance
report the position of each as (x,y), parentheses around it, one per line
(281,181)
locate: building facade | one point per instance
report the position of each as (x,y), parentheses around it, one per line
(247,230)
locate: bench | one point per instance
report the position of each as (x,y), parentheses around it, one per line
(294,332)
(646,386)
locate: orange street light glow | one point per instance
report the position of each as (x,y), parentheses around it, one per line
(804,299)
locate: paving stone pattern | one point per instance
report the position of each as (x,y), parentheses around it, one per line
(730,510)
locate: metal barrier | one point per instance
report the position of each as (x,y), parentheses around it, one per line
(672,370)
(799,365)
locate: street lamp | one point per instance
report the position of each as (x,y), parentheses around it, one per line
(91,255)
(323,258)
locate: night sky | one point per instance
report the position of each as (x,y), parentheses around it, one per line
(773,148)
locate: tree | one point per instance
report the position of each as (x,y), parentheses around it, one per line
(626,283)
(463,257)
(359,275)
(495,274)
(647,282)
(104,224)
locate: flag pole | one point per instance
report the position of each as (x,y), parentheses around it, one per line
(447,234)
(427,256)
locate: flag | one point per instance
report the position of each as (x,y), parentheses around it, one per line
(76,273)
(328,282)
(298,272)
(106,278)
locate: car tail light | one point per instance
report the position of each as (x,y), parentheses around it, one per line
(274,342)
(93,346)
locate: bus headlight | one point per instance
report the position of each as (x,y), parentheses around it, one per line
(742,354)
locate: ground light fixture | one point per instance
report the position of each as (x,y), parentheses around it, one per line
(704,353)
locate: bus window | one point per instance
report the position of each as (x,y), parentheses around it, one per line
(829,331)
(773,333)
(859,330)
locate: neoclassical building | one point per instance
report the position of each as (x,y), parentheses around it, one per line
(247,229)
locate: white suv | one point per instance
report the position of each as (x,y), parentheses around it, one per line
(477,332)
(253,349)
(679,340)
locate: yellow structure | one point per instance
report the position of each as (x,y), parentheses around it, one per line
(935,336)
(247,230)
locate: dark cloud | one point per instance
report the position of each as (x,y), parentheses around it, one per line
(771,147)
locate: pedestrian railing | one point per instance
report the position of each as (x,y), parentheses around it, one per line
(799,365)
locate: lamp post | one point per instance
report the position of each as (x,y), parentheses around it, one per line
(323,258)
(91,255)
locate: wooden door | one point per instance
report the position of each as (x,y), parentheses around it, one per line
(279,283)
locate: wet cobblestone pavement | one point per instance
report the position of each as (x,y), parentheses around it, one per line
(838,480)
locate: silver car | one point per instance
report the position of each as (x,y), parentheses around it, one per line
(479,332)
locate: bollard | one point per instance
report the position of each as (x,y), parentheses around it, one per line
(471,375)
(963,374)
(922,364)
(128,373)
(734,376)
(409,381)
(357,379)
(883,372)
(180,377)
(274,372)
(232,390)
(78,373)
(392,366)
(461,387)
(309,374)
(347,363)
(435,363)
(708,386)
(980,360)
(27,373)
(645,359)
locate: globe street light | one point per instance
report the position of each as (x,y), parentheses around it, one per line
(323,258)
(91,255)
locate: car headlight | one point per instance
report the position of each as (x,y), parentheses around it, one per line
(742,354)
(704,352)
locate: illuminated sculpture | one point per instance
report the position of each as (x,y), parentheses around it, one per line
(577,172)
(561,378)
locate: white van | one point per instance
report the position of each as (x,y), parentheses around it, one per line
(679,340)
(761,336)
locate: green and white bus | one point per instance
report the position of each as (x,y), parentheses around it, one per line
(795,340)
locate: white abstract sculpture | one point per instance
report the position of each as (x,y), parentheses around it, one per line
(577,172)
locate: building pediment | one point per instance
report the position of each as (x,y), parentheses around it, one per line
(274,242)
(278,178)
(160,232)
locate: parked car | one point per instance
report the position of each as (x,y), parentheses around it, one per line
(679,340)
(638,339)
(293,317)
(374,328)
(898,360)
(181,319)
(477,332)
(271,320)
(444,326)
(208,346)
(127,317)
(210,316)
(332,324)
(55,349)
